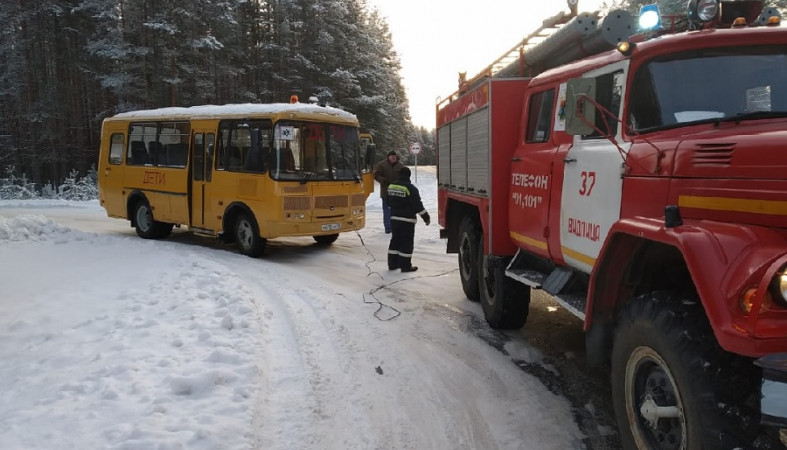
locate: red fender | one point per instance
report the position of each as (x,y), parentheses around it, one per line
(724,260)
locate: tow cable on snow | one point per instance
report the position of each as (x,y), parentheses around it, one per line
(382,306)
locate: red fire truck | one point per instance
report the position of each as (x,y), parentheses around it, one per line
(639,177)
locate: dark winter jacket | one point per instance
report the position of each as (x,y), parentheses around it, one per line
(386,173)
(405,201)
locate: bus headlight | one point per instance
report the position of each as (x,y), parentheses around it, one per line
(703,10)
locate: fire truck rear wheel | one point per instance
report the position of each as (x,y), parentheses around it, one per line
(673,387)
(469,244)
(247,236)
(505,302)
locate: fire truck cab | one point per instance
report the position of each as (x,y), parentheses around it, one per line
(638,176)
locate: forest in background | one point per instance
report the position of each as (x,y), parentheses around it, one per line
(68,64)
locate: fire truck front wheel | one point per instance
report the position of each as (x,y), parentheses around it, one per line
(469,243)
(505,302)
(248,237)
(672,386)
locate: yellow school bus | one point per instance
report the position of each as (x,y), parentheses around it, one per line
(245,172)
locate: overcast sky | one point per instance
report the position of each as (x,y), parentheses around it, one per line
(436,39)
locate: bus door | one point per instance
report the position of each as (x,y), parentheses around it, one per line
(203,150)
(369,158)
(110,167)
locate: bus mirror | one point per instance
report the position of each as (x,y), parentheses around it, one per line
(371,149)
(580,108)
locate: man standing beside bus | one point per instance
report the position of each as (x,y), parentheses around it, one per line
(386,172)
(405,200)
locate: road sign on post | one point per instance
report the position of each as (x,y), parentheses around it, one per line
(415,149)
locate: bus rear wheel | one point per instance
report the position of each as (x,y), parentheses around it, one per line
(248,237)
(326,239)
(146,226)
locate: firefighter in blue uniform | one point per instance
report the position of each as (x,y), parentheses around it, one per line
(405,201)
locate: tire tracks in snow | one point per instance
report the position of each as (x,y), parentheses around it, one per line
(440,387)
(306,373)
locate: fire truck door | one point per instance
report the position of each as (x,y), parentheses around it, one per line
(592,186)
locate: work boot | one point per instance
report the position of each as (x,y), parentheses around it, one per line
(409,269)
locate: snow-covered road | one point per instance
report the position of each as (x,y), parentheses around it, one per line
(111,341)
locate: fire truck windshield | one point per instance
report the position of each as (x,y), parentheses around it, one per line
(709,85)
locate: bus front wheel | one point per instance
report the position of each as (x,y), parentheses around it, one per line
(147,227)
(247,237)
(326,239)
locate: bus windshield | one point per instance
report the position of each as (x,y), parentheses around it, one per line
(709,85)
(307,151)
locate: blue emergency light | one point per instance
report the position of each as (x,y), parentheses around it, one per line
(649,17)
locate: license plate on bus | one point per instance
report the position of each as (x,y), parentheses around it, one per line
(331,226)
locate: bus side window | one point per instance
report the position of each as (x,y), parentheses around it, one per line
(177,154)
(209,145)
(138,134)
(221,150)
(235,159)
(116,149)
(137,153)
(199,157)
(255,154)
(158,153)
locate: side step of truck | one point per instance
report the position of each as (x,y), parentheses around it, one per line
(559,282)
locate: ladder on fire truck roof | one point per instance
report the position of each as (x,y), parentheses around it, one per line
(516,53)
(547,28)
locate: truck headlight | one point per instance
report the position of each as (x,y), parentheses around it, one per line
(703,10)
(779,288)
